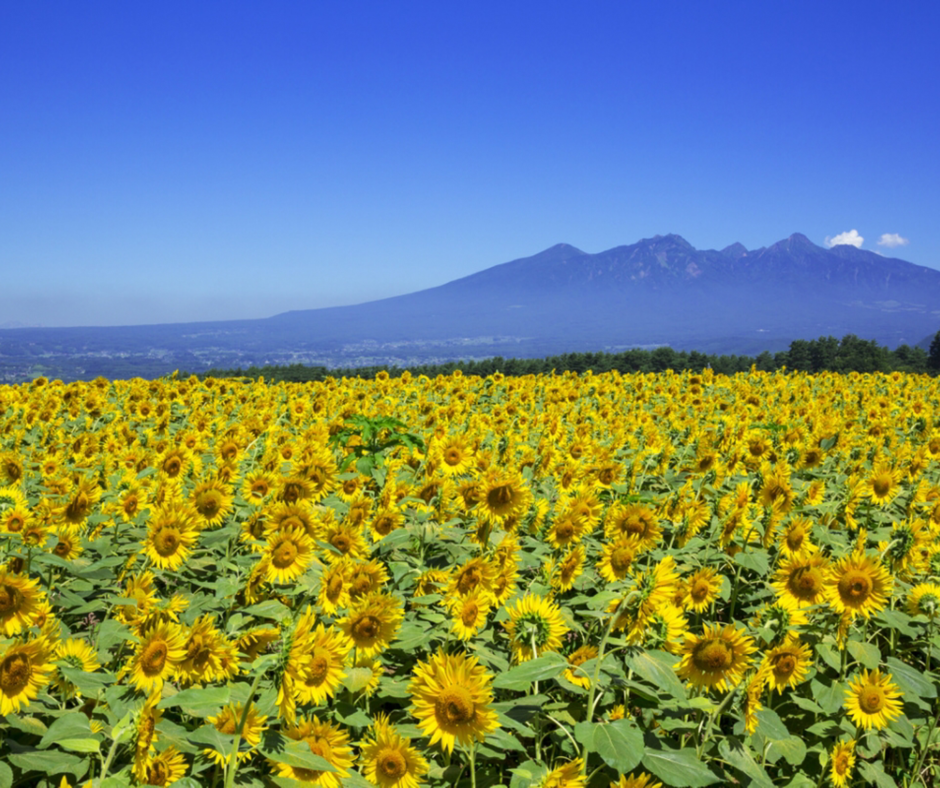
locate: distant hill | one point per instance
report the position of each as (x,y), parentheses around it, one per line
(658,291)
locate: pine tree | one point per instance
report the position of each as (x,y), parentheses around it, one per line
(933,355)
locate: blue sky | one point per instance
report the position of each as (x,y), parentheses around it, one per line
(169,162)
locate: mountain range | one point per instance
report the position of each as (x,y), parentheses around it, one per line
(658,291)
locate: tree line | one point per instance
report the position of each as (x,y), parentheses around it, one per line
(826,354)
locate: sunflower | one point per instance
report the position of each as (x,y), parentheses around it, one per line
(146,733)
(213,501)
(924,600)
(258,485)
(469,613)
(802,580)
(641,780)
(20,598)
(320,671)
(750,699)
(787,664)
(451,699)
(12,498)
(503,494)
(161,649)
(576,659)
(858,585)
(68,544)
(472,574)
(205,650)
(567,775)
(84,495)
(388,760)
(701,589)
(334,588)
(884,484)
(617,557)
(664,628)
(783,618)
(634,520)
(345,541)
(76,654)
(226,721)
(454,457)
(15,520)
(366,578)
(795,541)
(372,623)
(567,529)
(563,572)
(255,642)
(872,700)
(165,769)
(24,670)
(842,757)
(289,553)
(717,658)
(384,522)
(329,742)
(171,535)
(321,471)
(535,626)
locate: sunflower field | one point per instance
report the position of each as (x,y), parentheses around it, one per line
(552,581)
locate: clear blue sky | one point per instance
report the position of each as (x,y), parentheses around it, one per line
(174,161)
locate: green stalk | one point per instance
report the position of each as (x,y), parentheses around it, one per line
(232,765)
(923,753)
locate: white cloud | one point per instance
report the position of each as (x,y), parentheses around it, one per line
(892,239)
(852,238)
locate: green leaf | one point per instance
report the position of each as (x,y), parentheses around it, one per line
(49,762)
(915,684)
(88,683)
(770,725)
(831,697)
(212,737)
(294,753)
(540,669)
(528,774)
(874,774)
(198,701)
(680,768)
(110,633)
(791,748)
(357,679)
(866,653)
(830,656)
(895,619)
(6,776)
(756,560)
(270,608)
(80,745)
(658,668)
(619,743)
(741,758)
(68,726)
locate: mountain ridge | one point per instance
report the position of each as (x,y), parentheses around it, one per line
(657,291)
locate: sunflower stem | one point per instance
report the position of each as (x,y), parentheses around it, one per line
(915,775)
(589,711)
(473,765)
(538,719)
(716,715)
(232,765)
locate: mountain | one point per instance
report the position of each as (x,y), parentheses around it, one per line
(660,290)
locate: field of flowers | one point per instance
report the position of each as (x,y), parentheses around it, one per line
(556,581)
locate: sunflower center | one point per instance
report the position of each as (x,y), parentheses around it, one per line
(11,600)
(15,672)
(366,628)
(455,706)
(209,504)
(172,467)
(167,541)
(469,613)
(259,488)
(360,584)
(350,486)
(469,580)
(785,665)
(383,525)
(392,763)
(871,699)
(130,505)
(564,531)
(153,660)
(334,587)
(700,590)
(16,523)
(453,456)
(713,655)
(805,582)
(881,485)
(157,773)
(284,555)
(620,559)
(341,542)
(318,666)
(62,549)
(795,538)
(500,498)
(855,587)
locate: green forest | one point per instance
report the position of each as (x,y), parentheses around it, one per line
(826,354)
